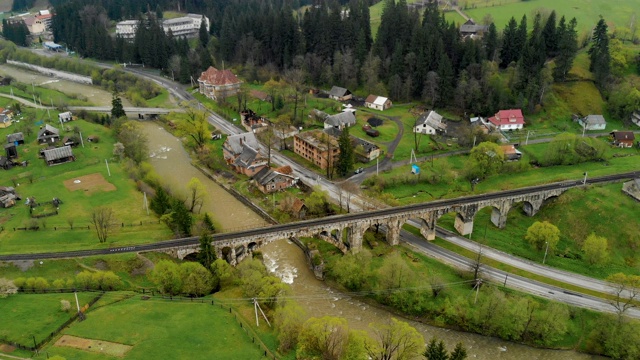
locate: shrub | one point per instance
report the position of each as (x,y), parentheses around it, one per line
(65,305)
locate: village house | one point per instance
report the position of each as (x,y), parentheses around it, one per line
(340,121)
(268,180)
(593,122)
(511,119)
(632,188)
(365,150)
(340,94)
(58,155)
(472,30)
(48,134)
(623,138)
(511,153)
(299,209)
(6,118)
(65,116)
(430,123)
(317,147)
(260,95)
(377,102)
(635,117)
(252,122)
(242,153)
(218,84)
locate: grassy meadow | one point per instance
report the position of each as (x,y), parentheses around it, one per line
(577,213)
(617,13)
(201,330)
(45,182)
(27,315)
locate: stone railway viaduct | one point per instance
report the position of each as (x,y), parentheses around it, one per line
(235,246)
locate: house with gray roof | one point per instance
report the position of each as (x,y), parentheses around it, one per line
(269,180)
(471,29)
(242,153)
(340,121)
(59,155)
(48,134)
(15,138)
(430,123)
(340,94)
(593,122)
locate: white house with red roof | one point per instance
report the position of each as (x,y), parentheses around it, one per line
(218,84)
(511,119)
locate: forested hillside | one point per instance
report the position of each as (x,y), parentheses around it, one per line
(414,56)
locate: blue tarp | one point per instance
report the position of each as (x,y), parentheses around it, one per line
(415,169)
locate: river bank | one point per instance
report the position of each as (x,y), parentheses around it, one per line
(288,262)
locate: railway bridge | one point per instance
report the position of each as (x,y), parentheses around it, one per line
(346,231)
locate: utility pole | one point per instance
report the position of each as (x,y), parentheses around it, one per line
(527,140)
(545,253)
(107,163)
(478,282)
(584,181)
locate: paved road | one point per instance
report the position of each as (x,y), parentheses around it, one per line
(512,281)
(312,179)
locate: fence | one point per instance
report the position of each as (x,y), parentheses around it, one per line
(38,345)
(86,227)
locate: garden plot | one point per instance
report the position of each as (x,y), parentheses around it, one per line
(99,346)
(89,183)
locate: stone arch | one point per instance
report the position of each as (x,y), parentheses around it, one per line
(254,245)
(499,212)
(226,254)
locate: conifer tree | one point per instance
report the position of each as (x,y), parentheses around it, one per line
(567,49)
(599,54)
(346,156)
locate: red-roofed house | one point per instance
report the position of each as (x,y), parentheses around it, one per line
(216,84)
(508,119)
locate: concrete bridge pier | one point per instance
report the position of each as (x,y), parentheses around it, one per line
(393,231)
(232,257)
(531,207)
(464,219)
(428,226)
(499,215)
(356,233)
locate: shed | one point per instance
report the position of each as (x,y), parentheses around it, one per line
(15,138)
(59,155)
(340,94)
(11,151)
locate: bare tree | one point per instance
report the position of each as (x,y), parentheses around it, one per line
(196,126)
(626,292)
(197,193)
(350,189)
(102,219)
(476,265)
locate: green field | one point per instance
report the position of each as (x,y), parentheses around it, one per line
(617,13)
(27,315)
(45,182)
(160,329)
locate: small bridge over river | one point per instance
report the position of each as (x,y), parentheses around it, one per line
(235,246)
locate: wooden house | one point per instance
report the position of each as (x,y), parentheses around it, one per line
(59,155)
(48,135)
(340,94)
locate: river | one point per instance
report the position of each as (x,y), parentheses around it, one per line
(288,262)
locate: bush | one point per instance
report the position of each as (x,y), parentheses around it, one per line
(65,305)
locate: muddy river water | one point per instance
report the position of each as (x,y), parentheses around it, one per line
(286,260)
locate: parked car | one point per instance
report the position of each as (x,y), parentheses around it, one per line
(358,170)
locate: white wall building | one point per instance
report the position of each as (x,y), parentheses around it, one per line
(187,26)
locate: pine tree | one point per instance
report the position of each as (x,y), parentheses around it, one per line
(436,350)
(181,219)
(549,33)
(160,204)
(491,42)
(206,253)
(203,34)
(567,49)
(509,51)
(599,54)
(346,156)
(458,353)
(117,110)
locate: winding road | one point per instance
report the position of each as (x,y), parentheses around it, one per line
(311,178)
